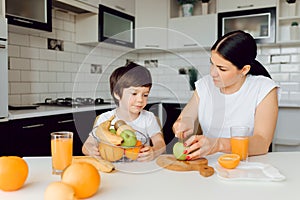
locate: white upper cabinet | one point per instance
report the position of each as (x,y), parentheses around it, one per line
(127,6)
(195,31)
(151,21)
(2,8)
(235,5)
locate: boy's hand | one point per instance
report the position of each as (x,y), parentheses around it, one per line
(146,154)
(92,149)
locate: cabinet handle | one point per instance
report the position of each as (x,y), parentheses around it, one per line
(151,45)
(120,42)
(190,45)
(246,6)
(33,126)
(2,46)
(120,8)
(22,20)
(65,121)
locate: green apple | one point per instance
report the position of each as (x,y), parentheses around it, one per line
(129,138)
(112,130)
(178,149)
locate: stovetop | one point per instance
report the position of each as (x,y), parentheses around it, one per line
(73,102)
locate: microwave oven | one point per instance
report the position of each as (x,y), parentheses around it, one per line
(260,23)
(116,27)
(34,14)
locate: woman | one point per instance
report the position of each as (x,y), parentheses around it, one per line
(238,92)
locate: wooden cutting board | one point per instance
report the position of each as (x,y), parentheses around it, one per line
(171,163)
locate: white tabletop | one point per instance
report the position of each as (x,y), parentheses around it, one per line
(143,181)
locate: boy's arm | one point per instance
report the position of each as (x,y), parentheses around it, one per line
(159,145)
(89,147)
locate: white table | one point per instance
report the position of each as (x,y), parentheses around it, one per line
(151,182)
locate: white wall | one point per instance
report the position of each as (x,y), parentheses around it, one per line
(36,73)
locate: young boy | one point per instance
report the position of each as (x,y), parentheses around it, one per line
(130,86)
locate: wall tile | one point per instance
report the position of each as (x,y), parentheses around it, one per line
(29,52)
(30,76)
(37,73)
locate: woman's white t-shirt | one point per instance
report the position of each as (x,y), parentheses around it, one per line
(146,122)
(217,112)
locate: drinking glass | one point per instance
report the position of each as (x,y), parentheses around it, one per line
(240,141)
(61,150)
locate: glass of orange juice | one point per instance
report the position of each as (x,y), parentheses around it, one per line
(240,141)
(61,150)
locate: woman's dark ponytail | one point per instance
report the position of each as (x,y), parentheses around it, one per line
(258,69)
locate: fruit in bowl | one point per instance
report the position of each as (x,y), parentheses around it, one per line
(112,147)
(129,138)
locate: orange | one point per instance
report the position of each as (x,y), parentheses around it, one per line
(59,191)
(229,161)
(132,153)
(13,173)
(83,177)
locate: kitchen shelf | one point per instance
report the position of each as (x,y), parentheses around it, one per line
(176,11)
(285,18)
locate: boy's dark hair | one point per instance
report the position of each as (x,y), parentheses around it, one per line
(131,75)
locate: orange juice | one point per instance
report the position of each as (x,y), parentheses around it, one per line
(61,150)
(239,145)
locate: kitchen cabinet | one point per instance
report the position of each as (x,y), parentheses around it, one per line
(127,6)
(2,8)
(5,139)
(151,22)
(192,31)
(77,6)
(287,14)
(186,32)
(236,5)
(287,135)
(170,113)
(31,136)
(176,8)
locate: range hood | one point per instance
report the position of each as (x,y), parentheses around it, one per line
(77,6)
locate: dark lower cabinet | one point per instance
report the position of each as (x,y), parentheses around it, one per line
(5,139)
(31,136)
(170,113)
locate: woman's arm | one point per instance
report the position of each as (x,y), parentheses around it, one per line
(264,124)
(184,125)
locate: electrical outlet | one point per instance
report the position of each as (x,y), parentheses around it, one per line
(96,69)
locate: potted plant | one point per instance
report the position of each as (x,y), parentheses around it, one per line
(187,6)
(291,1)
(292,7)
(204,5)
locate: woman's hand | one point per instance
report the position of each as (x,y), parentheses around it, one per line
(200,146)
(146,154)
(183,127)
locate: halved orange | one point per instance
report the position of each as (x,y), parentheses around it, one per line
(229,161)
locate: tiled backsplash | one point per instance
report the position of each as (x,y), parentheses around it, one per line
(36,73)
